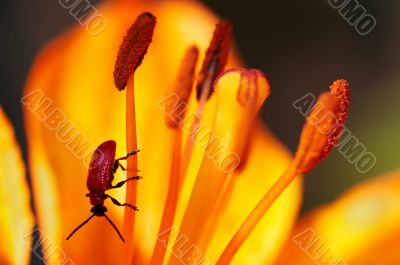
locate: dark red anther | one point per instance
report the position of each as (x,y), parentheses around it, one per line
(216,56)
(133,48)
(102,167)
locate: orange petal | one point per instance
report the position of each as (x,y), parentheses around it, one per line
(16,219)
(361,227)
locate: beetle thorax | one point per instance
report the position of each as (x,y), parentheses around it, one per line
(97,197)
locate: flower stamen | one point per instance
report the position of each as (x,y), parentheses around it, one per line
(341,90)
(133,48)
(175,113)
(216,58)
(316,142)
(130,55)
(182,88)
(213,65)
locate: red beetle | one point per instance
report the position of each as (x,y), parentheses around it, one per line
(102,167)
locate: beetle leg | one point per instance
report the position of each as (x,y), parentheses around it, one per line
(121,166)
(121,183)
(118,164)
(131,153)
(121,204)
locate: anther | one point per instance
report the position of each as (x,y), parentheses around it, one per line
(216,57)
(133,48)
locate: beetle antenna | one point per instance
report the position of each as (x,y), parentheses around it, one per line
(82,224)
(115,227)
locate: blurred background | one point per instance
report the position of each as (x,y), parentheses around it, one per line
(302,46)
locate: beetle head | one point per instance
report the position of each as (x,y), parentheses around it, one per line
(98,210)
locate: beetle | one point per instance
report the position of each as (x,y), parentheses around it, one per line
(102,168)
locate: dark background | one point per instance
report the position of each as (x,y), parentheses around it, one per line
(302,46)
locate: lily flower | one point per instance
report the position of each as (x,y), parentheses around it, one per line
(72,105)
(217,186)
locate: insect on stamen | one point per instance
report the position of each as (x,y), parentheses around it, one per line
(100,179)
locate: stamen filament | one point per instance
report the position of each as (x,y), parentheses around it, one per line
(131,188)
(130,55)
(220,206)
(175,112)
(208,83)
(255,216)
(171,201)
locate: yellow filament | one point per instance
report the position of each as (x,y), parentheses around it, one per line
(131,186)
